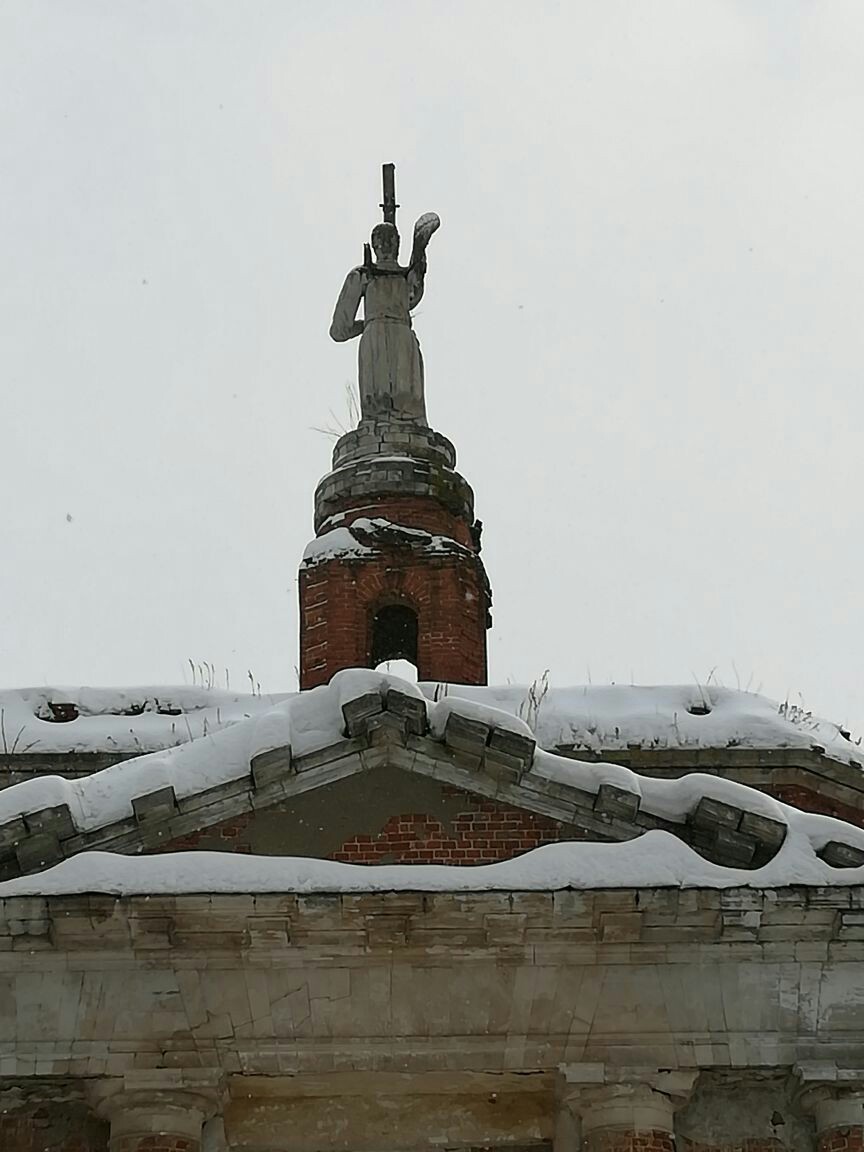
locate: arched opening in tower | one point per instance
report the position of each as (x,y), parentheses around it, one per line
(394,634)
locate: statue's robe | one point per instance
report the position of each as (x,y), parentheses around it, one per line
(390,362)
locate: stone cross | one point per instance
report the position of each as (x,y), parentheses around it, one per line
(389,206)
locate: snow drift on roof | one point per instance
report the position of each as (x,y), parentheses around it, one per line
(655,860)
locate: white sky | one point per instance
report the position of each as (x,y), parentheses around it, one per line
(642,325)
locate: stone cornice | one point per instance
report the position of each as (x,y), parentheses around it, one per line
(604,925)
(285,984)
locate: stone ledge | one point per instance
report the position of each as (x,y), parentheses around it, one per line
(399,477)
(393,438)
(605,925)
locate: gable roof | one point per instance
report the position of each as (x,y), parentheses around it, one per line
(365,719)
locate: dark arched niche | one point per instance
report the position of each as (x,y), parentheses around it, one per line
(394,634)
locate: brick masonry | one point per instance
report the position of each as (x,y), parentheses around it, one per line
(449,594)
(403,474)
(158,1142)
(848,1138)
(479,832)
(483,833)
(230,833)
(812,801)
(66,1127)
(410,511)
(754,1145)
(623,1140)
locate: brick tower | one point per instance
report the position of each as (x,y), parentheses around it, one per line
(394,571)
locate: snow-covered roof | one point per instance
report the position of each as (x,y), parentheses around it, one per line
(118,720)
(312,738)
(587,718)
(614,717)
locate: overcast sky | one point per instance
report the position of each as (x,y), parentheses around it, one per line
(642,324)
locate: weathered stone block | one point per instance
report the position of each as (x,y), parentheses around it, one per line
(742,899)
(270,766)
(620,927)
(740,924)
(386,728)
(714,813)
(151,931)
(38,852)
(12,833)
(616,803)
(514,744)
(851,925)
(356,713)
(732,849)
(842,855)
(506,929)
(386,931)
(160,804)
(56,821)
(769,832)
(466,735)
(329,755)
(502,767)
(411,709)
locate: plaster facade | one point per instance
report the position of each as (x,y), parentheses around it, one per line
(619,1018)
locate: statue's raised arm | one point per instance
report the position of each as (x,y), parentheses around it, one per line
(428,223)
(390,362)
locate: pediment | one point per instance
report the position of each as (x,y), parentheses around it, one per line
(373,728)
(386,815)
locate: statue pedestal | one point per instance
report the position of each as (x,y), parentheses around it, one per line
(396,461)
(393,438)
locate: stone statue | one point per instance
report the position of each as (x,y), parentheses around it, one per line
(390,361)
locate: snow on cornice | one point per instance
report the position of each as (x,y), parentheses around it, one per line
(655,860)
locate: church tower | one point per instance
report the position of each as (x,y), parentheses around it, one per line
(394,571)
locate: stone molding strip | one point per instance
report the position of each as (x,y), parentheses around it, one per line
(393,438)
(621,925)
(396,475)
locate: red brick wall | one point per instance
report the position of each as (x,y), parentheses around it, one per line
(61,1128)
(155,1143)
(623,1140)
(481,832)
(812,801)
(229,832)
(755,1145)
(844,1139)
(339,597)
